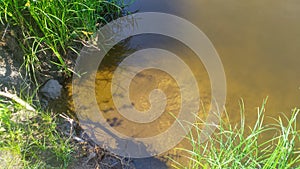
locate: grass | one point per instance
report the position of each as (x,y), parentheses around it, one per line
(236,146)
(52,29)
(30,139)
(51,32)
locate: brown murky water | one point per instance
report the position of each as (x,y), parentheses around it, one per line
(257,41)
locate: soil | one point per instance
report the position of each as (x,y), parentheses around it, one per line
(12,76)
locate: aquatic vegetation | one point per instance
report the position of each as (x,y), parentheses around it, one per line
(236,146)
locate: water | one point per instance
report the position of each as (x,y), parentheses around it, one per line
(257,41)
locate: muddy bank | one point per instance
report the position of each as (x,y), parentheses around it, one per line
(12,76)
(50,92)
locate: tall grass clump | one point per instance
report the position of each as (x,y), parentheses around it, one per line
(52,28)
(239,147)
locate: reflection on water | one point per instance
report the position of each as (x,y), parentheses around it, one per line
(259,45)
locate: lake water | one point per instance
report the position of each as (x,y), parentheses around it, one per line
(257,41)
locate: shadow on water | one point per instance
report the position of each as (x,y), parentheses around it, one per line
(142,84)
(149,163)
(139,163)
(105,103)
(252,53)
(140,88)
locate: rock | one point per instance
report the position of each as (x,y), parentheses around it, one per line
(51,89)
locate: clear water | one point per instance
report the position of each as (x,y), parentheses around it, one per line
(257,41)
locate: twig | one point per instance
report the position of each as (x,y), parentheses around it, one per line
(71,121)
(4,32)
(18,100)
(75,138)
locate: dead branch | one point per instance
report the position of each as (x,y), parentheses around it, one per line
(18,100)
